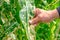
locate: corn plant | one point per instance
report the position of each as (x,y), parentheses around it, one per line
(15,16)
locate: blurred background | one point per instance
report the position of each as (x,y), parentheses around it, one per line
(14,17)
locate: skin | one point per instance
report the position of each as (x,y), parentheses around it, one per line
(44,16)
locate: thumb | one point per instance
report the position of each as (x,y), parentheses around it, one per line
(34,20)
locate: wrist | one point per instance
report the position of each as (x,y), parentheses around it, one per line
(55,13)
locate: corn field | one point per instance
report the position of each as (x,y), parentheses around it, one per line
(15,16)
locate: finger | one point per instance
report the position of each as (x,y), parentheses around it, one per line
(37,11)
(34,20)
(35,24)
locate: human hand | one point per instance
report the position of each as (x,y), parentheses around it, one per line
(43,16)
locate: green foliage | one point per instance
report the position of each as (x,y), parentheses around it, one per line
(15,16)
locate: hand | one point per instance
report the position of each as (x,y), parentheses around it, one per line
(43,16)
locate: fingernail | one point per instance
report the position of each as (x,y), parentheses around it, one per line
(30,22)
